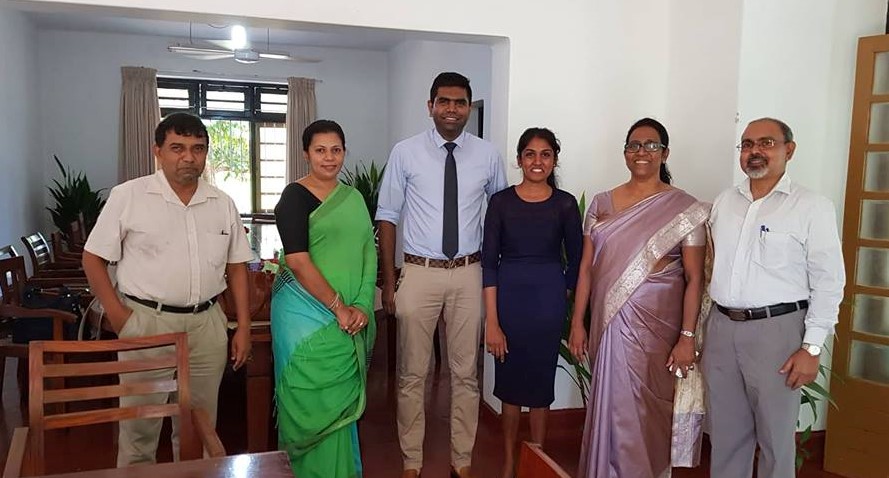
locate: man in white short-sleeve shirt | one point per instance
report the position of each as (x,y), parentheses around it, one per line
(175,238)
(777,284)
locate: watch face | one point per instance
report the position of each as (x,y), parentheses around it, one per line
(812,349)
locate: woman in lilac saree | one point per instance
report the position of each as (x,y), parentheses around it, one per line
(641,273)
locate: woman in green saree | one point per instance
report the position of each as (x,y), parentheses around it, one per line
(322,312)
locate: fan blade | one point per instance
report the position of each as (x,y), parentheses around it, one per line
(224,44)
(201,52)
(271,55)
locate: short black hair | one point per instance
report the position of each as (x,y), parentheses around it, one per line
(322,126)
(184,124)
(785,129)
(450,78)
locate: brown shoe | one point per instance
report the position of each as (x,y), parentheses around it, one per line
(410,474)
(465,472)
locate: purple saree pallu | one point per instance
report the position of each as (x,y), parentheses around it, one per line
(636,316)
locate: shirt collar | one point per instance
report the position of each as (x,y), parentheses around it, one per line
(783,186)
(161,186)
(439,141)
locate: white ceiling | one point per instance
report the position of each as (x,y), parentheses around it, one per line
(341,37)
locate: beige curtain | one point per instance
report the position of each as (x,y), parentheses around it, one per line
(139,115)
(300,113)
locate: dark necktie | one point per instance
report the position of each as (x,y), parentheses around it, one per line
(450,239)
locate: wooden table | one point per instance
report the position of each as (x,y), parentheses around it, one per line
(274,464)
(259,381)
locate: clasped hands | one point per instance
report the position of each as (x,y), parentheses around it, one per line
(350,318)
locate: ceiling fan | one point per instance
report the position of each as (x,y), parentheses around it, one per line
(235,48)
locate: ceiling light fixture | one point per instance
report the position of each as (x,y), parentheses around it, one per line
(239,37)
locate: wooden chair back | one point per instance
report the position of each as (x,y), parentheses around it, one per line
(8,251)
(42,369)
(534,463)
(12,280)
(38,249)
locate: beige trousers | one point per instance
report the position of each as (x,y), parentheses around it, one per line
(423,294)
(208,351)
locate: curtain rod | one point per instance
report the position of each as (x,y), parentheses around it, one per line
(209,75)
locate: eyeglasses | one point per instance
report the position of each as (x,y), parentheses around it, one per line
(762,143)
(635,146)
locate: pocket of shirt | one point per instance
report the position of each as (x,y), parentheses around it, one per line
(777,249)
(216,247)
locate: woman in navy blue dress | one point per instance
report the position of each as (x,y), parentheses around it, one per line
(526,285)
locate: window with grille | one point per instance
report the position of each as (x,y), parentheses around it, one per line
(248,138)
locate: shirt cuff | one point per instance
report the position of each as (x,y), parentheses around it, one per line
(816,335)
(387,215)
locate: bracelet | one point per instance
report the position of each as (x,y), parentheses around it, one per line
(335,302)
(687,333)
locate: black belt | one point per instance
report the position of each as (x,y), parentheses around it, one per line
(195,309)
(742,315)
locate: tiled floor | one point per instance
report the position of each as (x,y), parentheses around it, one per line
(94,447)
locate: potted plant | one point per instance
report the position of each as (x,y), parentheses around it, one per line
(367,181)
(74,198)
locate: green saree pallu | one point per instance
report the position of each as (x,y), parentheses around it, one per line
(321,371)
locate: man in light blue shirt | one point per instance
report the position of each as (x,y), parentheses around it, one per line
(437,183)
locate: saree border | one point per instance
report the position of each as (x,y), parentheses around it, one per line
(656,247)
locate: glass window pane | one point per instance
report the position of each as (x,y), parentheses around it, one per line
(874,219)
(229,160)
(873,267)
(871,315)
(273,108)
(225,106)
(881,74)
(272,151)
(172,93)
(226,95)
(274,98)
(869,361)
(273,168)
(879,123)
(273,134)
(876,173)
(168,103)
(272,184)
(268,201)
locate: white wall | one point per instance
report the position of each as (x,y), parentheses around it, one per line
(80,102)
(21,180)
(702,94)
(413,64)
(798,65)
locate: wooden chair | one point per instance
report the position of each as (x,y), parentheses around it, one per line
(12,283)
(8,251)
(534,463)
(27,453)
(59,244)
(43,260)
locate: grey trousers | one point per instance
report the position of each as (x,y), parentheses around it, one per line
(748,402)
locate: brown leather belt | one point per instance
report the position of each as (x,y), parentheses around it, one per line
(741,315)
(443,263)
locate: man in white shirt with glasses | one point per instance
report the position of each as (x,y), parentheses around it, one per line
(777,283)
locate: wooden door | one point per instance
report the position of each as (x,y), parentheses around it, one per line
(858,430)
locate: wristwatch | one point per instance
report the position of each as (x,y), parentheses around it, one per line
(812,349)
